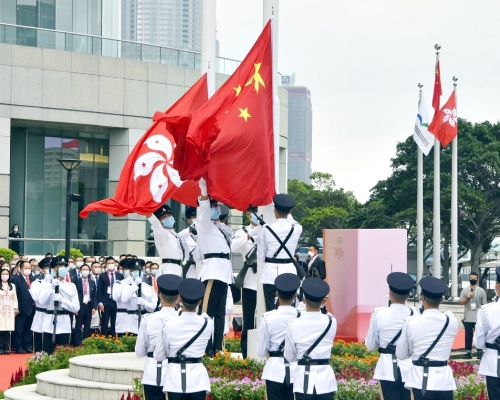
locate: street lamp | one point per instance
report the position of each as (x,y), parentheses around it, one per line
(69,165)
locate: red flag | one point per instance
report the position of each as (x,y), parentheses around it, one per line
(148,177)
(229,140)
(445,123)
(437,89)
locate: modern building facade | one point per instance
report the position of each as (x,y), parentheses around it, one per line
(88,102)
(299,133)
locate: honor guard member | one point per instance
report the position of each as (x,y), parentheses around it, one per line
(385,330)
(245,242)
(487,336)
(151,325)
(171,247)
(41,312)
(278,371)
(309,342)
(59,298)
(122,295)
(276,245)
(427,339)
(183,341)
(190,235)
(214,247)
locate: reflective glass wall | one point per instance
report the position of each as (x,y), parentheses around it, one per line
(38,186)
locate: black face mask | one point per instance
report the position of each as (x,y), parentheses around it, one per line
(472,281)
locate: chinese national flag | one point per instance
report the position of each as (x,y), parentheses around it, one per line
(437,89)
(229,140)
(444,126)
(148,177)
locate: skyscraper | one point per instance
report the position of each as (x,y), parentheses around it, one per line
(299,133)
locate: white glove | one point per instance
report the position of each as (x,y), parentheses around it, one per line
(57,297)
(48,278)
(203,187)
(129,280)
(140,301)
(55,282)
(138,280)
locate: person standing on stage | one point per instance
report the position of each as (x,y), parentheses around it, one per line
(171,248)
(487,337)
(271,248)
(41,312)
(190,235)
(383,334)
(8,309)
(105,302)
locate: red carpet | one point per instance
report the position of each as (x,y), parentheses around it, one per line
(9,364)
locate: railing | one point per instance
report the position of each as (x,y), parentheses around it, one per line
(98,45)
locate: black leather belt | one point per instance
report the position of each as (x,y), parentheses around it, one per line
(318,361)
(279,260)
(387,350)
(131,312)
(171,261)
(217,255)
(158,369)
(44,310)
(493,346)
(187,360)
(59,312)
(430,363)
(275,354)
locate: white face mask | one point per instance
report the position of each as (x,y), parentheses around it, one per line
(15,229)
(111,267)
(79,264)
(85,273)
(148,271)
(310,254)
(154,272)
(26,272)
(5,278)
(97,271)
(71,266)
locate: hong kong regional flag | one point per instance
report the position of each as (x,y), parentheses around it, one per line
(229,139)
(148,177)
(444,125)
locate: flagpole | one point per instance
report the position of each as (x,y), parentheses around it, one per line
(454,208)
(436,270)
(208,40)
(420,206)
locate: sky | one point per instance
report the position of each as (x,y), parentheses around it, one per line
(362,61)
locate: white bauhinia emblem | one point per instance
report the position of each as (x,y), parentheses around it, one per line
(162,153)
(451,116)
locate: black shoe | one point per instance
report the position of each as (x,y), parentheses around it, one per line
(468,355)
(479,355)
(30,350)
(2,352)
(20,351)
(6,351)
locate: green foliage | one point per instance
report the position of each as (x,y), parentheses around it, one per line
(233,345)
(2,395)
(7,253)
(137,387)
(73,253)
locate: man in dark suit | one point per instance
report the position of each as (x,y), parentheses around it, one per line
(22,337)
(315,265)
(85,286)
(105,301)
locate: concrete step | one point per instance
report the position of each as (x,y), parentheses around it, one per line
(26,392)
(60,385)
(120,368)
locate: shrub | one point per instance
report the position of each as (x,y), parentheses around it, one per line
(7,253)
(233,345)
(224,389)
(73,253)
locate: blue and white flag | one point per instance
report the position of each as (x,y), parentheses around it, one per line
(423,138)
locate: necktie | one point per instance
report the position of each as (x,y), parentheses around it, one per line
(155,286)
(112,282)
(67,278)
(28,281)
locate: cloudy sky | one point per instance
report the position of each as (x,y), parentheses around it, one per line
(362,61)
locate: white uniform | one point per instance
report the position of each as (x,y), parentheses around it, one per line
(151,325)
(487,330)
(175,333)
(268,245)
(385,324)
(121,307)
(190,240)
(69,302)
(271,334)
(243,245)
(169,245)
(35,289)
(212,240)
(301,333)
(418,334)
(129,297)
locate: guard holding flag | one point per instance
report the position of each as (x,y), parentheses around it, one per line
(277,243)
(427,339)
(40,314)
(183,341)
(151,326)
(487,336)
(190,235)
(385,330)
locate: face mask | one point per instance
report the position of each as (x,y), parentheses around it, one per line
(126,274)
(89,264)
(26,272)
(148,271)
(15,230)
(254,219)
(37,272)
(472,281)
(215,212)
(79,264)
(194,221)
(135,274)
(111,267)
(97,271)
(85,273)
(5,278)
(310,254)
(71,266)
(63,271)
(53,273)
(154,272)
(169,222)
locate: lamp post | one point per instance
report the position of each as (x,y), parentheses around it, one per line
(69,164)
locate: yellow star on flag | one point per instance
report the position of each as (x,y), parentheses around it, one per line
(238,90)
(244,114)
(256,78)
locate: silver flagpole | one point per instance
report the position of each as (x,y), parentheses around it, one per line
(454,208)
(436,271)
(420,206)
